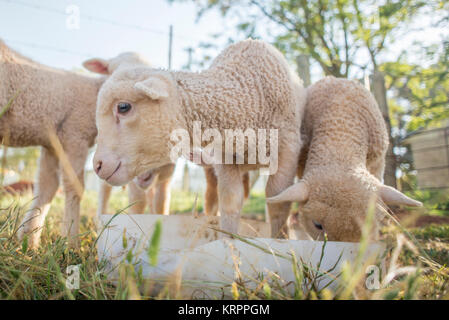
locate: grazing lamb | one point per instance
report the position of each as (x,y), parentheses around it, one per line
(342,162)
(248,86)
(48,102)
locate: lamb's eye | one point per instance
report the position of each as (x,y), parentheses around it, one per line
(317,225)
(123,107)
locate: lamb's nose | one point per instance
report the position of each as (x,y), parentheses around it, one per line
(98,166)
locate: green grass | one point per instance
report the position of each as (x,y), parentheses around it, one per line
(435,232)
(27,274)
(436,202)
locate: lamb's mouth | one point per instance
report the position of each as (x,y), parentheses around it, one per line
(116,169)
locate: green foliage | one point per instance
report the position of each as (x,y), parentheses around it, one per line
(433,231)
(335,33)
(436,202)
(347,38)
(421,92)
(155,243)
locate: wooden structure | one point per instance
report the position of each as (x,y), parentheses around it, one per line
(430,151)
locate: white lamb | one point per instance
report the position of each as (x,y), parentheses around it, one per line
(341,164)
(45,100)
(248,86)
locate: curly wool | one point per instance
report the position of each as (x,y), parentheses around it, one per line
(342,162)
(249,85)
(45,96)
(40,99)
(346,125)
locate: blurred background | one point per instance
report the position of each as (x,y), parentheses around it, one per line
(398,49)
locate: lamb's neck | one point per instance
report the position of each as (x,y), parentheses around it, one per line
(196,95)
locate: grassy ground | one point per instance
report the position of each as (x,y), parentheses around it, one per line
(418,260)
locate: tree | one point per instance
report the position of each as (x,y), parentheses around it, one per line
(337,34)
(343,37)
(420,92)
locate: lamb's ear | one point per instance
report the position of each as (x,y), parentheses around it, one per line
(153,87)
(97,65)
(390,195)
(297,192)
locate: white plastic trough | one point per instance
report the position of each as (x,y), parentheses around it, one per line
(207,264)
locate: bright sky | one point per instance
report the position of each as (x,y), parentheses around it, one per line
(43,30)
(39,29)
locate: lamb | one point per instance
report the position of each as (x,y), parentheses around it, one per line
(48,103)
(341,164)
(156,180)
(248,86)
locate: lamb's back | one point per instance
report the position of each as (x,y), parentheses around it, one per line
(43,95)
(342,116)
(259,76)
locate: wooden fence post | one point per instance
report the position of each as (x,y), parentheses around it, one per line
(380,94)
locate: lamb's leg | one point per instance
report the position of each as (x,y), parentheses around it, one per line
(137,198)
(161,200)
(73,181)
(211,194)
(46,187)
(230,196)
(103,197)
(283,178)
(246,185)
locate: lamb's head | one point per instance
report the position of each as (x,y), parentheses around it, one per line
(337,203)
(137,110)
